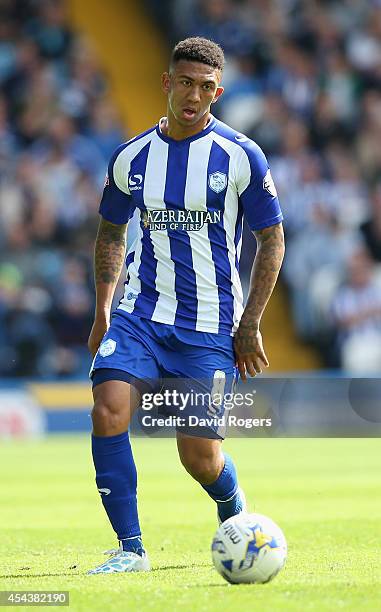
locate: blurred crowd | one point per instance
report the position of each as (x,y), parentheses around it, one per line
(58,129)
(303,79)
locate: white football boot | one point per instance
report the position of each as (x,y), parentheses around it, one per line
(243,500)
(122,561)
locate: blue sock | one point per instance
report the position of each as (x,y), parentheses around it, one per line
(116,475)
(224,491)
(133,545)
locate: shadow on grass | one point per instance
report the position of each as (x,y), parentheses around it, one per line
(177,567)
(155,569)
(39,575)
(211,585)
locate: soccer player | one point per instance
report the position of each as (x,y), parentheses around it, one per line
(191,179)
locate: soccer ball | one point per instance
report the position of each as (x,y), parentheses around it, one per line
(249,548)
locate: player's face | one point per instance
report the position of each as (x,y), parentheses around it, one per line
(191,88)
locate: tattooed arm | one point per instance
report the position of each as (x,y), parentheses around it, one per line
(268,260)
(109,254)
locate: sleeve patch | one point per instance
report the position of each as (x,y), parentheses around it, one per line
(268,184)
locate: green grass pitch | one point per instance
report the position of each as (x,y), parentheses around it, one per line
(325,494)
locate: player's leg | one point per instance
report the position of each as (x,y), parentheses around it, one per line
(207,369)
(202,458)
(114,404)
(214,470)
(116,397)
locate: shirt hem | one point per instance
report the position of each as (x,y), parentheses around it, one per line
(267,223)
(225,331)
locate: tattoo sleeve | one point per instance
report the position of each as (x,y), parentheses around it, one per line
(264,273)
(109,255)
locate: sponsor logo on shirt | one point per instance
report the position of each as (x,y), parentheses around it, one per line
(132,296)
(186,220)
(135,182)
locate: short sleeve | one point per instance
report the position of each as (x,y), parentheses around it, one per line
(116,204)
(256,189)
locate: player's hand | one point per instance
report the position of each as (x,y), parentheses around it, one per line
(98,330)
(249,353)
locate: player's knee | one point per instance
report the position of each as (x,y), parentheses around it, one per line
(204,469)
(105,419)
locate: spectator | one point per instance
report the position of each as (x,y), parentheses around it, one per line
(371,229)
(356,310)
(304,82)
(57,131)
(309,252)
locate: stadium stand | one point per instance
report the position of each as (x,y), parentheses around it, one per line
(303,79)
(58,128)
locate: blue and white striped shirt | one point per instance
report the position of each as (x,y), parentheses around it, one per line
(191,196)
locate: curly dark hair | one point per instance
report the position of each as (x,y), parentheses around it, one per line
(197,49)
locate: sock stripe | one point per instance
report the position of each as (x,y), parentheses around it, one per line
(224,501)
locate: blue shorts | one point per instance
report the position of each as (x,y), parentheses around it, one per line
(154,356)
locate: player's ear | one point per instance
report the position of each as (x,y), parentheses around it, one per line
(165,82)
(219,92)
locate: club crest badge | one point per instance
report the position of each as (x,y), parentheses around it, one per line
(218,181)
(107,347)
